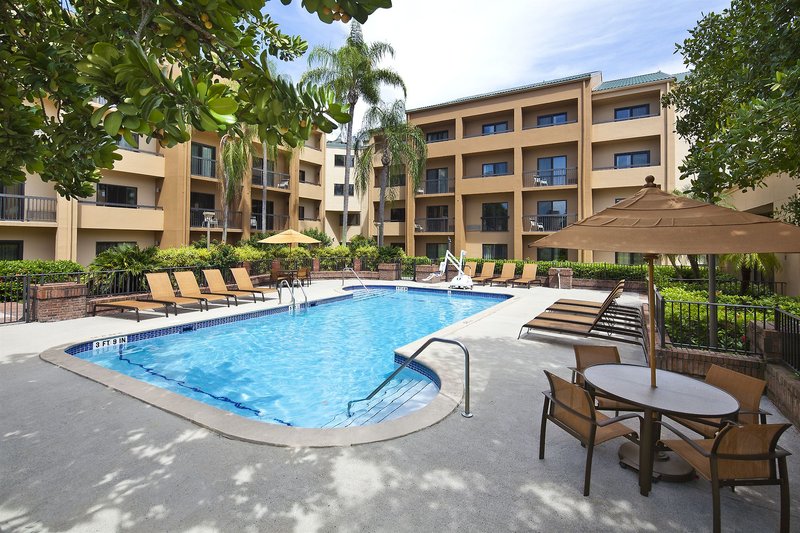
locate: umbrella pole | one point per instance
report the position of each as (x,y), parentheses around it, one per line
(651,300)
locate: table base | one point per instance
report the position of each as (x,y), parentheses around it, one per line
(672,469)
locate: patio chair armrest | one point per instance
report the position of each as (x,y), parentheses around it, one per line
(684,438)
(575,372)
(619,418)
(780,453)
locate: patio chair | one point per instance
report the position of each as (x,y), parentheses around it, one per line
(746,389)
(487,273)
(571,408)
(217,285)
(506,274)
(188,286)
(589,355)
(304,275)
(470,268)
(617,291)
(738,456)
(275,276)
(135,305)
(528,276)
(245,284)
(162,291)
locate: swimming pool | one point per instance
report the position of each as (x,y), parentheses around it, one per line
(292,368)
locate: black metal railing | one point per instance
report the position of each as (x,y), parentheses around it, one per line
(639,165)
(494,223)
(202,166)
(734,287)
(274,222)
(788,326)
(547,222)
(434,225)
(113,204)
(536,126)
(14,299)
(486,134)
(626,118)
(198,220)
(550,178)
(437,186)
(279,180)
(16,207)
(509,172)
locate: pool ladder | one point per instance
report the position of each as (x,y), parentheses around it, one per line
(291,287)
(348,269)
(466,413)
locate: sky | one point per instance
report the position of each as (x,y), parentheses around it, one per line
(447,49)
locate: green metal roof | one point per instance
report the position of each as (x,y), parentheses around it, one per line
(634,80)
(503,92)
(680,76)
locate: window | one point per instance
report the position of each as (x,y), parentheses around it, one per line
(436,250)
(437,218)
(101,247)
(551,120)
(495,251)
(495,217)
(338,189)
(12,207)
(552,170)
(353,219)
(436,136)
(10,250)
(302,176)
(397,214)
(627,258)
(398,180)
(495,127)
(632,159)
(258,170)
(204,160)
(200,200)
(116,195)
(338,160)
(436,181)
(551,214)
(551,254)
(635,111)
(495,169)
(122,143)
(301,212)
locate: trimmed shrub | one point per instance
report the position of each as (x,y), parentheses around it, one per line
(410,263)
(323,238)
(184,256)
(334,258)
(11,289)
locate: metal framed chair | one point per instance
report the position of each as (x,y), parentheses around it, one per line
(590,355)
(571,408)
(738,456)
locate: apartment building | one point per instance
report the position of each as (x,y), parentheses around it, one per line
(163,197)
(357,205)
(506,168)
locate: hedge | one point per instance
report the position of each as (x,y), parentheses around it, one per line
(11,289)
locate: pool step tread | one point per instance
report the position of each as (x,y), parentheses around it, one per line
(382,407)
(387,395)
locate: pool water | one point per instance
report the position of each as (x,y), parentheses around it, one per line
(299,368)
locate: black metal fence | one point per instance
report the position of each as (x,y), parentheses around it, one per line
(788,325)
(734,286)
(14,298)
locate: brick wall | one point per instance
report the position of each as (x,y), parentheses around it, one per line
(783,388)
(58,301)
(389,271)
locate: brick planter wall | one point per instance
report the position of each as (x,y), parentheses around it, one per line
(423,271)
(337,274)
(697,362)
(59,301)
(565,275)
(783,388)
(389,271)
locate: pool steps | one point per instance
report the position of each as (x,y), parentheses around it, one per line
(394,401)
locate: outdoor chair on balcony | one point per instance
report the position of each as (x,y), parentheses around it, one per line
(589,355)
(487,274)
(187,285)
(506,274)
(738,456)
(746,389)
(536,226)
(571,408)
(217,285)
(528,276)
(245,284)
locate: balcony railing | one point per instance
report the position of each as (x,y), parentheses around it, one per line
(279,180)
(550,178)
(509,172)
(311,181)
(197,219)
(126,206)
(536,126)
(626,119)
(434,225)
(274,222)
(651,164)
(494,223)
(547,222)
(437,186)
(481,134)
(204,167)
(20,208)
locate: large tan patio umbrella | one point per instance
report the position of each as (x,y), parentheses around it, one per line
(653,222)
(289,237)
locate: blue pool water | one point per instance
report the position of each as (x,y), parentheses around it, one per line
(297,369)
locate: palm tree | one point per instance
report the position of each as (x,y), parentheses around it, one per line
(402,149)
(235,159)
(747,263)
(353,73)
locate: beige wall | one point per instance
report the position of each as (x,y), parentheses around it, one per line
(88,239)
(37,243)
(603,109)
(531,154)
(145,186)
(473,163)
(473,126)
(603,153)
(530,115)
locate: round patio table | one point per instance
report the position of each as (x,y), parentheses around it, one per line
(675,394)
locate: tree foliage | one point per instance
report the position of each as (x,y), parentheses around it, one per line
(739,107)
(159,68)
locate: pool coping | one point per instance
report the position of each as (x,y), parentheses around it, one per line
(231,425)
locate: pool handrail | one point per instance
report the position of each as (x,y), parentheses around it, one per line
(295,283)
(466,413)
(350,269)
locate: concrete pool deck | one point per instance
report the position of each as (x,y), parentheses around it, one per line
(75,455)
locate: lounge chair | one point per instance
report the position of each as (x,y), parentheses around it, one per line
(217,285)
(506,274)
(571,408)
(617,291)
(244,283)
(470,268)
(161,290)
(528,276)
(135,305)
(587,355)
(487,273)
(188,286)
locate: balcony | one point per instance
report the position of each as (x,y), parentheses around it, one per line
(494,223)
(140,161)
(557,177)
(104,215)
(274,222)
(627,128)
(538,126)
(613,177)
(547,223)
(277,180)
(197,219)
(437,186)
(434,225)
(20,208)
(492,175)
(204,168)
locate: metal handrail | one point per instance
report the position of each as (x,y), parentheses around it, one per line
(295,283)
(350,269)
(466,413)
(291,291)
